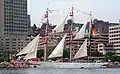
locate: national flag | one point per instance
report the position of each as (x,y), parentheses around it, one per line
(92,29)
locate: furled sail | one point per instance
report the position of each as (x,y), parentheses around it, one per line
(30,47)
(60,27)
(82,52)
(81,32)
(58,51)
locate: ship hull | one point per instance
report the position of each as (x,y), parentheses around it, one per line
(66,65)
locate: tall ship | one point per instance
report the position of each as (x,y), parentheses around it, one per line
(57,54)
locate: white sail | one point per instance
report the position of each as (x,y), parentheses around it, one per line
(81,32)
(58,51)
(33,54)
(60,27)
(30,47)
(82,52)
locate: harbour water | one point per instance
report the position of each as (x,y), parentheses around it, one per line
(58,71)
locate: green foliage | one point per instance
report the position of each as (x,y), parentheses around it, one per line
(116,58)
(7,59)
(4,59)
(111,56)
(96,54)
(1,59)
(66,53)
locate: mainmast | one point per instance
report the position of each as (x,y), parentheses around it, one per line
(72,17)
(46,34)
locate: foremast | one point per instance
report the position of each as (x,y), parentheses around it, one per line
(71,29)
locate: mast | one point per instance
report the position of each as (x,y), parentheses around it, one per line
(89,38)
(72,16)
(46,34)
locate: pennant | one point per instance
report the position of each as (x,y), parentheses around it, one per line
(50,11)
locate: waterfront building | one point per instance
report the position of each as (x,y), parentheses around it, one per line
(101,26)
(10,46)
(105,48)
(114,37)
(14,25)
(14,20)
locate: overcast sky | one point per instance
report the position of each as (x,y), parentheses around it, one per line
(108,10)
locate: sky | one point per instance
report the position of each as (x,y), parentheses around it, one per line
(107,10)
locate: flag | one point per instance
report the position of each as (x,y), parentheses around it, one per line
(77,11)
(46,14)
(71,13)
(50,11)
(92,30)
(43,41)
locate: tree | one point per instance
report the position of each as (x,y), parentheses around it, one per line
(109,54)
(66,53)
(96,54)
